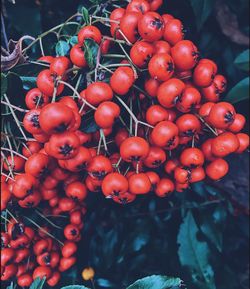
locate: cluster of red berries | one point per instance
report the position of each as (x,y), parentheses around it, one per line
(180,132)
(27,255)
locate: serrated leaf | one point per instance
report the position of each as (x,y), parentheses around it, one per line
(85,15)
(242,60)
(37,283)
(156,282)
(4,84)
(75,287)
(194,254)
(91,52)
(239,92)
(202,10)
(62,48)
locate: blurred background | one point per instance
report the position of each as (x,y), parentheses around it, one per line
(123,244)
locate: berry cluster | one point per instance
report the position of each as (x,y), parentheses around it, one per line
(161,127)
(27,255)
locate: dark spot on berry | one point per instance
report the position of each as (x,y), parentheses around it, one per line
(124,201)
(157,163)
(99,175)
(229,117)
(171,142)
(35,120)
(116,193)
(47,259)
(196,55)
(157,23)
(38,100)
(66,150)
(61,128)
(189,133)
(141,9)
(74,232)
(135,158)
(170,67)
(16,231)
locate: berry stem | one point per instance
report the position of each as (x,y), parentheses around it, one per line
(99,145)
(14,106)
(5,219)
(44,231)
(78,95)
(114,56)
(115,40)
(104,140)
(45,218)
(12,216)
(46,33)
(14,152)
(8,164)
(40,63)
(193,142)
(118,163)
(206,124)
(41,46)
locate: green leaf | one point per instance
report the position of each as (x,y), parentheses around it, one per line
(212,232)
(90,53)
(194,254)
(4,84)
(85,15)
(157,282)
(62,48)
(242,60)
(239,92)
(75,287)
(73,40)
(38,283)
(202,10)
(28,82)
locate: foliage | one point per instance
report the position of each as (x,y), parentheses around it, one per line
(194,235)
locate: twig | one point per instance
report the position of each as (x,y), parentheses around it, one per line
(14,152)
(44,231)
(78,95)
(14,106)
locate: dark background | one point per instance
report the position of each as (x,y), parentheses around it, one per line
(127,243)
